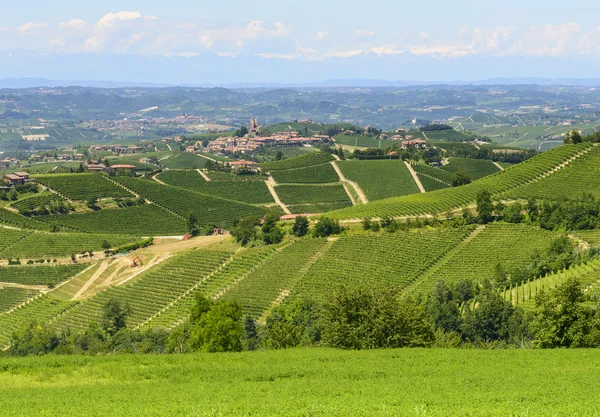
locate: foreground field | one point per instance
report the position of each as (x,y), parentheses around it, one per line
(311,382)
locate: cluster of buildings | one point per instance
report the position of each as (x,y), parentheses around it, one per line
(103,168)
(120,149)
(248,144)
(61,157)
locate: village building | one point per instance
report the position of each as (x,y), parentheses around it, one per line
(96,167)
(242,165)
(17,178)
(417,143)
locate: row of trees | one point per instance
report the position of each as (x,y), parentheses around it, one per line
(362,317)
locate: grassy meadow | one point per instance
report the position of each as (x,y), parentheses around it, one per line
(307,382)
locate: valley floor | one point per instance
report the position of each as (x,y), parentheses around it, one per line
(307,382)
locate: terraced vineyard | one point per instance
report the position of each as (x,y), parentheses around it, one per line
(37,201)
(9,237)
(39,275)
(540,167)
(252,192)
(306,160)
(184,160)
(433,178)
(208,209)
(270,283)
(507,245)
(476,168)
(316,174)
(570,182)
(82,186)
(213,286)
(11,297)
(40,309)
(395,259)
(47,245)
(588,275)
(147,220)
(381,178)
(12,219)
(151,292)
(313,198)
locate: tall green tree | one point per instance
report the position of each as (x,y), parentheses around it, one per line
(485,208)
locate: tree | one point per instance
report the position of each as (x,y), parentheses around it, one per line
(192,223)
(301,226)
(485,208)
(242,131)
(106,245)
(513,213)
(219,329)
(564,320)
(271,233)
(251,338)
(245,231)
(369,318)
(461,178)
(573,137)
(292,325)
(114,316)
(327,227)
(279,156)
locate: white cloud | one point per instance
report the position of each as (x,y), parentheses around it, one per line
(31,28)
(73,24)
(5,29)
(320,36)
(271,55)
(111,19)
(240,35)
(362,33)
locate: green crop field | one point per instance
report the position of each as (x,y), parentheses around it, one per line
(147,220)
(37,201)
(475,168)
(39,275)
(251,191)
(184,160)
(381,178)
(44,245)
(361,141)
(208,209)
(313,198)
(13,219)
(300,382)
(569,182)
(315,174)
(306,160)
(82,186)
(441,201)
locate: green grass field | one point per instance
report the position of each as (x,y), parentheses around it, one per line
(307,382)
(316,174)
(184,160)
(380,179)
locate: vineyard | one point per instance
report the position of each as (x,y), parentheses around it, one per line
(306,160)
(316,174)
(40,309)
(433,178)
(184,160)
(313,198)
(395,259)
(441,201)
(270,283)
(152,292)
(39,275)
(475,168)
(82,186)
(505,246)
(251,192)
(570,182)
(208,209)
(147,220)
(11,297)
(213,286)
(36,202)
(380,179)
(16,220)
(47,245)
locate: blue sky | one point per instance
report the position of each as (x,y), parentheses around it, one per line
(400,34)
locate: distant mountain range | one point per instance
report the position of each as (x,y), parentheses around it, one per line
(22,69)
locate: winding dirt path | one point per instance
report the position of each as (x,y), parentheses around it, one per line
(359,191)
(271,186)
(155,178)
(88,284)
(206,177)
(498,166)
(415,177)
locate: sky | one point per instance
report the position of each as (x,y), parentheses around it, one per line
(299,41)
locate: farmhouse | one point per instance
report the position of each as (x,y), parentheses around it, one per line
(415,142)
(17,178)
(96,167)
(122,167)
(244,166)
